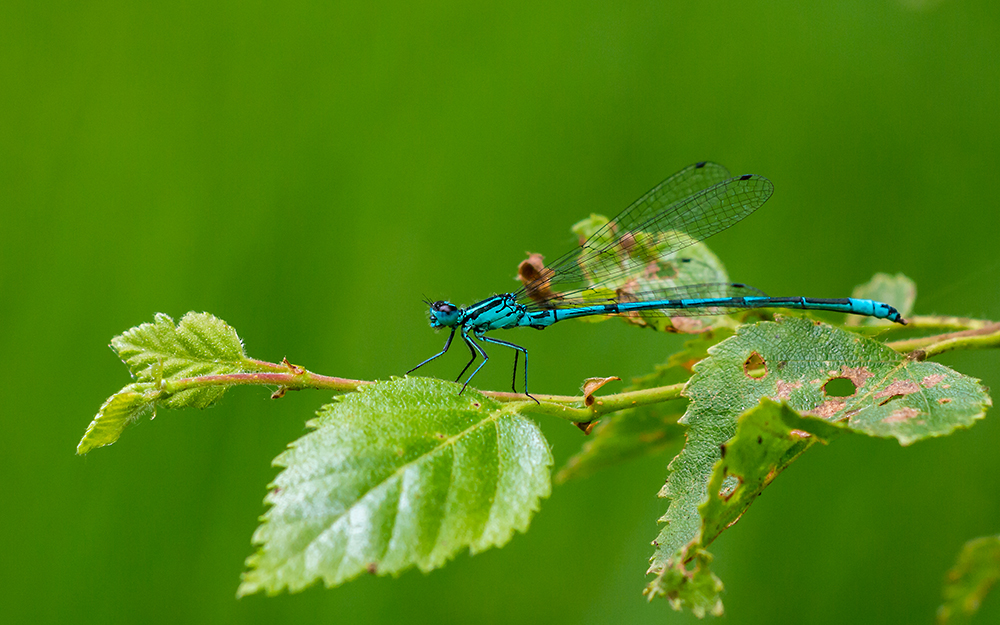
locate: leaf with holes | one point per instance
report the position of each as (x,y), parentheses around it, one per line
(898,291)
(768,438)
(974,574)
(794,360)
(647,430)
(400,474)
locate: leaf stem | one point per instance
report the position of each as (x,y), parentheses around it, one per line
(292,381)
(985,336)
(586,408)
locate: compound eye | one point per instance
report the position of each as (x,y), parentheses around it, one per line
(444,307)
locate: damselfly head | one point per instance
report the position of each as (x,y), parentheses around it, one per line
(444,314)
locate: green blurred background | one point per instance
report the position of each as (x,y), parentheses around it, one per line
(309,171)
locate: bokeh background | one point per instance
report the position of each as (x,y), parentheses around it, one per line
(310,171)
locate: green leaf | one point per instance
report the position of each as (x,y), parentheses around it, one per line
(402,473)
(897,291)
(121,409)
(158,353)
(975,572)
(651,429)
(199,345)
(688,583)
(892,396)
(768,438)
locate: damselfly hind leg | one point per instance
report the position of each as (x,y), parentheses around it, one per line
(517,349)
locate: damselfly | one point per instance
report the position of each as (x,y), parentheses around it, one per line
(597,278)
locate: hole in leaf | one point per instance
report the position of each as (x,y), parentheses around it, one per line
(889,399)
(840,387)
(754,366)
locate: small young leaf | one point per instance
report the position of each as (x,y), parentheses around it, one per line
(158,352)
(199,345)
(402,473)
(794,360)
(975,572)
(897,291)
(121,409)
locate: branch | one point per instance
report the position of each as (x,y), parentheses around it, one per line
(585,408)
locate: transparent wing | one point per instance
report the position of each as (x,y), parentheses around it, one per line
(658,225)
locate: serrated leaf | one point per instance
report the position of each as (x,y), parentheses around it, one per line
(893,397)
(897,291)
(201,344)
(644,431)
(400,474)
(159,352)
(768,438)
(121,409)
(688,583)
(972,577)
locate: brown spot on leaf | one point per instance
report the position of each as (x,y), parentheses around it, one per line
(903,414)
(785,389)
(799,434)
(944,400)
(930,381)
(372,567)
(688,325)
(651,271)
(858,375)
(827,409)
(899,387)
